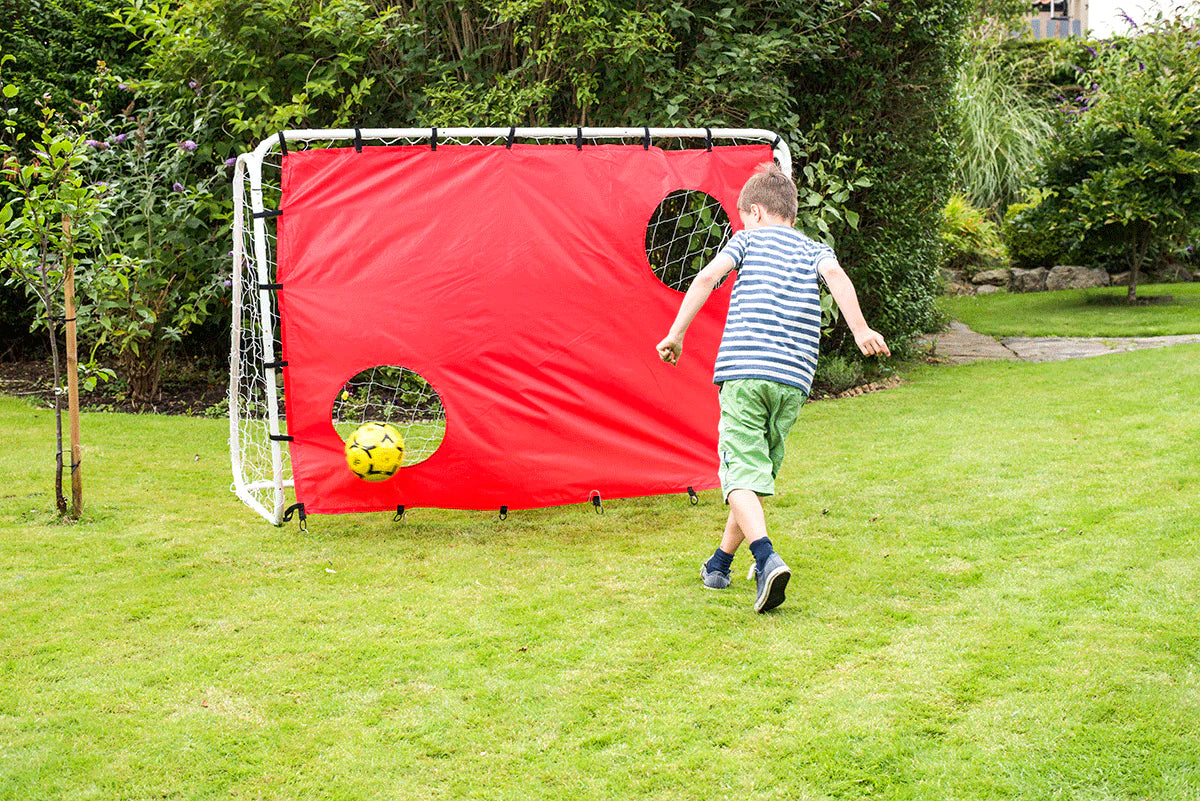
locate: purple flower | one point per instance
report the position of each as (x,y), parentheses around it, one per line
(119,138)
(178,187)
(192,84)
(229,162)
(1091,50)
(1190,250)
(228,282)
(1141,67)
(189,145)
(124,87)
(96,144)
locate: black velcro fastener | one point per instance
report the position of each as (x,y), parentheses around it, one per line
(357,140)
(579,139)
(270,287)
(646,137)
(512,137)
(281,438)
(265,215)
(275,365)
(282,144)
(433,139)
(775,144)
(708,139)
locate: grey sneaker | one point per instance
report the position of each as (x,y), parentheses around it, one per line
(714,580)
(772,582)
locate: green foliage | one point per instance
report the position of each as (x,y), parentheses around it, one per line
(836,374)
(1124,177)
(972,241)
(55,46)
(1001,129)
(1029,236)
(162,236)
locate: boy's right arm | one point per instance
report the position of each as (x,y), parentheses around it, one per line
(670,349)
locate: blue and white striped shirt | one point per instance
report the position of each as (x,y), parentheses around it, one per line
(773,330)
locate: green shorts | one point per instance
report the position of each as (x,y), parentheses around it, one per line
(756,416)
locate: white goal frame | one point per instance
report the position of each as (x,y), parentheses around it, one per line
(257,427)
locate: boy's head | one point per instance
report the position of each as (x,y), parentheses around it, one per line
(768,198)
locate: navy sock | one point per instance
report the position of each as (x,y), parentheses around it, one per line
(762,551)
(719,562)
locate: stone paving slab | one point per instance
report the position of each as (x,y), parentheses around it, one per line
(958,344)
(1053,349)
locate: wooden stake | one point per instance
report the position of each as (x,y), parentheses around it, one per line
(72,374)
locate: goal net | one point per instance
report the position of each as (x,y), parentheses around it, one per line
(687,228)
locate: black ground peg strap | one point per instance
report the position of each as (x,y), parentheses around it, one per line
(357,140)
(294,509)
(693,497)
(282,144)
(597,502)
(399,514)
(503,512)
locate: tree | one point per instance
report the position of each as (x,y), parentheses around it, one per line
(1124,176)
(47,222)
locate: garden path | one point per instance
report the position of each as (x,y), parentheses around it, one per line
(958,344)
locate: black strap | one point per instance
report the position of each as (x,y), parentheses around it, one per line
(775,144)
(597,502)
(270,287)
(692,496)
(275,365)
(503,512)
(357,140)
(433,139)
(646,137)
(292,510)
(282,144)
(399,513)
(708,140)
(579,139)
(512,137)
(265,215)
(281,438)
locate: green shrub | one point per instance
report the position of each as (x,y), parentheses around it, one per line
(836,374)
(972,241)
(1030,237)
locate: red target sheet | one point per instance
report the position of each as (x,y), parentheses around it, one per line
(516,282)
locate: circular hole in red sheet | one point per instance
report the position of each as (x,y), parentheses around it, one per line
(395,395)
(685,232)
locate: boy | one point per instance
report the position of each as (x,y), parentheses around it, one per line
(765,363)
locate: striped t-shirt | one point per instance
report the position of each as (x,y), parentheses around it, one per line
(773,330)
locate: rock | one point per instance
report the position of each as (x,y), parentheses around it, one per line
(1172,274)
(1071,277)
(986,289)
(1121,279)
(991,278)
(1028,280)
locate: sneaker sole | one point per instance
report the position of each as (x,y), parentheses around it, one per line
(777,581)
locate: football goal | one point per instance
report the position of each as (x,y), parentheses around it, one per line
(492,293)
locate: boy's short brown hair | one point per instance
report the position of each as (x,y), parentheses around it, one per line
(774,192)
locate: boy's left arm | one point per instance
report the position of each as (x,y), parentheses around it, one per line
(870,342)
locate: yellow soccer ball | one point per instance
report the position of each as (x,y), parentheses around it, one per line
(375,451)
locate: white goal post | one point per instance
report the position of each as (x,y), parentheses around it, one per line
(257,423)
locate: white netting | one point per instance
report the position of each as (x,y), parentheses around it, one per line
(685,232)
(395,395)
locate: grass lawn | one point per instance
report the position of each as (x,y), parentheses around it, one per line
(996,574)
(1080,312)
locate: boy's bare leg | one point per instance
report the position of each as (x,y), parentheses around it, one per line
(731,540)
(746,514)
